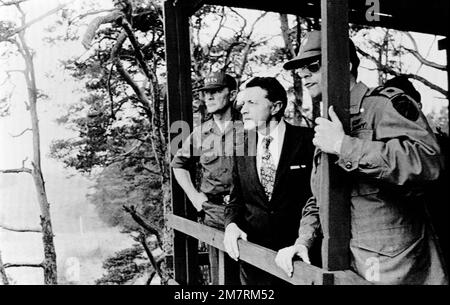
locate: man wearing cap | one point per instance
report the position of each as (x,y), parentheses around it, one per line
(271,180)
(389,155)
(212,144)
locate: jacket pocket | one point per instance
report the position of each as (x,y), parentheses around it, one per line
(389,242)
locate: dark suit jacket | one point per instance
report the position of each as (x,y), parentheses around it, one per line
(273,224)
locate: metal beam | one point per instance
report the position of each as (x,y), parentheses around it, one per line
(400,14)
(334,193)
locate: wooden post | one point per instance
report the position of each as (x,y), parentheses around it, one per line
(335,194)
(222,271)
(179,95)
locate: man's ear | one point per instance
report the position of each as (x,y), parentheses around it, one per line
(233,95)
(351,67)
(276,107)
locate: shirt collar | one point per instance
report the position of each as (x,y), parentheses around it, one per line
(276,133)
(356,96)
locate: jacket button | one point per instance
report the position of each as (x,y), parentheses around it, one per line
(348,165)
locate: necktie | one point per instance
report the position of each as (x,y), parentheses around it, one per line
(267,169)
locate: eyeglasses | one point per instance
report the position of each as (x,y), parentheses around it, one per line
(311,68)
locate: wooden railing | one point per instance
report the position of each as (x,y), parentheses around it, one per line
(263,258)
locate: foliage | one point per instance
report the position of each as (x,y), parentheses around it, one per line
(439,119)
(123,266)
(119,185)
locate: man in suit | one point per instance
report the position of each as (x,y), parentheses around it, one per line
(270,181)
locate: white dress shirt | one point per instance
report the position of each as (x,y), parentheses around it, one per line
(275,146)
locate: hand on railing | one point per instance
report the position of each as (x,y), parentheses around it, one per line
(284,257)
(232,234)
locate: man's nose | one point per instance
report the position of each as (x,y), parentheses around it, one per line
(244,108)
(304,73)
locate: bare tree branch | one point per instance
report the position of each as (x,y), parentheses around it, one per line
(415,52)
(221,22)
(21,134)
(389,70)
(95,24)
(139,219)
(16,171)
(14,71)
(111,98)
(20,230)
(9,3)
(133,148)
(151,171)
(426,62)
(92,13)
(28,24)
(3,275)
(151,257)
(155,119)
(23,265)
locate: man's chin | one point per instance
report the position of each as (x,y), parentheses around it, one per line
(249,125)
(315,95)
(211,110)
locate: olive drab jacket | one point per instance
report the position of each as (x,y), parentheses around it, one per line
(389,155)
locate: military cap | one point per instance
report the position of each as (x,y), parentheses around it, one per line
(219,80)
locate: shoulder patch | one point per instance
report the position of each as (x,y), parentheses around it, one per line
(406,107)
(401,102)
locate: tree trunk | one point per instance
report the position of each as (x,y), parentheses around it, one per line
(3,275)
(50,270)
(291,53)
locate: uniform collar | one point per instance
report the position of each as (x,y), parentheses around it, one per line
(356,96)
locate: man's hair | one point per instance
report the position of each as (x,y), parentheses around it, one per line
(231,82)
(275,91)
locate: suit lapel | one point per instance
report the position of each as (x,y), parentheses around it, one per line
(291,143)
(252,140)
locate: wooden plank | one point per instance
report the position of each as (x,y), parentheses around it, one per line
(348,277)
(264,258)
(221,271)
(256,255)
(179,95)
(334,191)
(214,268)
